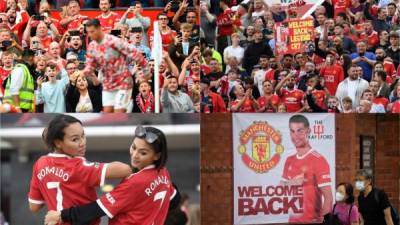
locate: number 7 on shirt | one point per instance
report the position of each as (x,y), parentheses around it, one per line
(59,197)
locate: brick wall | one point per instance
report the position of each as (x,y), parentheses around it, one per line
(216,158)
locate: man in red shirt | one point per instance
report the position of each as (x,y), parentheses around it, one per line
(269,101)
(374,97)
(225,23)
(74,20)
(290,96)
(210,102)
(340,6)
(244,101)
(370,36)
(311,170)
(107,18)
(332,73)
(17,26)
(7,60)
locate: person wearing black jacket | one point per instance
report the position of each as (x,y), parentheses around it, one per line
(254,51)
(83,95)
(379,23)
(374,205)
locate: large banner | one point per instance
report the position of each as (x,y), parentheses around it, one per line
(294,35)
(284,167)
(304,8)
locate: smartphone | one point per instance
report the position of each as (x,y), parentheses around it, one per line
(6,44)
(35,45)
(116,33)
(361,54)
(38,17)
(81,66)
(136,30)
(33,31)
(74,33)
(175,5)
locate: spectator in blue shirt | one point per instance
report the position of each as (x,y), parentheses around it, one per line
(364,59)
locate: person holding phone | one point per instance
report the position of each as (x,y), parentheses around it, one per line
(138,20)
(75,19)
(364,59)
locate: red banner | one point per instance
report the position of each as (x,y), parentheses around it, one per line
(295,35)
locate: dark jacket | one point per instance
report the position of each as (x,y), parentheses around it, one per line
(73,95)
(176,52)
(252,54)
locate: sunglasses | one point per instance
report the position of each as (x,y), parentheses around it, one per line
(141,132)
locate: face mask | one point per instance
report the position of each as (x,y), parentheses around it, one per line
(360,185)
(339,197)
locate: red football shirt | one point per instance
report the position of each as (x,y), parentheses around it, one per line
(293,100)
(382,101)
(340,6)
(62,182)
(46,42)
(312,171)
(270,75)
(319,97)
(262,101)
(142,198)
(166,39)
(372,39)
(3,75)
(107,23)
(245,107)
(75,24)
(396,107)
(332,75)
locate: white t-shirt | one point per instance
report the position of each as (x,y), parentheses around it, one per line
(231,51)
(84,105)
(259,78)
(352,89)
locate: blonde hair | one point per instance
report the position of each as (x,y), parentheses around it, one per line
(186,26)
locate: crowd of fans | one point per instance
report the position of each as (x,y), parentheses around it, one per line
(352,67)
(102,64)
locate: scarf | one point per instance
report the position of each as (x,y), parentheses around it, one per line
(145,106)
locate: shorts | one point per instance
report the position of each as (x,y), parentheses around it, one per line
(119,98)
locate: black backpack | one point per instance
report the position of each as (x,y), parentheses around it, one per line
(332,218)
(393,210)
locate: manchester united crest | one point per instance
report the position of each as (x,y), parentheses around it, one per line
(260,146)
